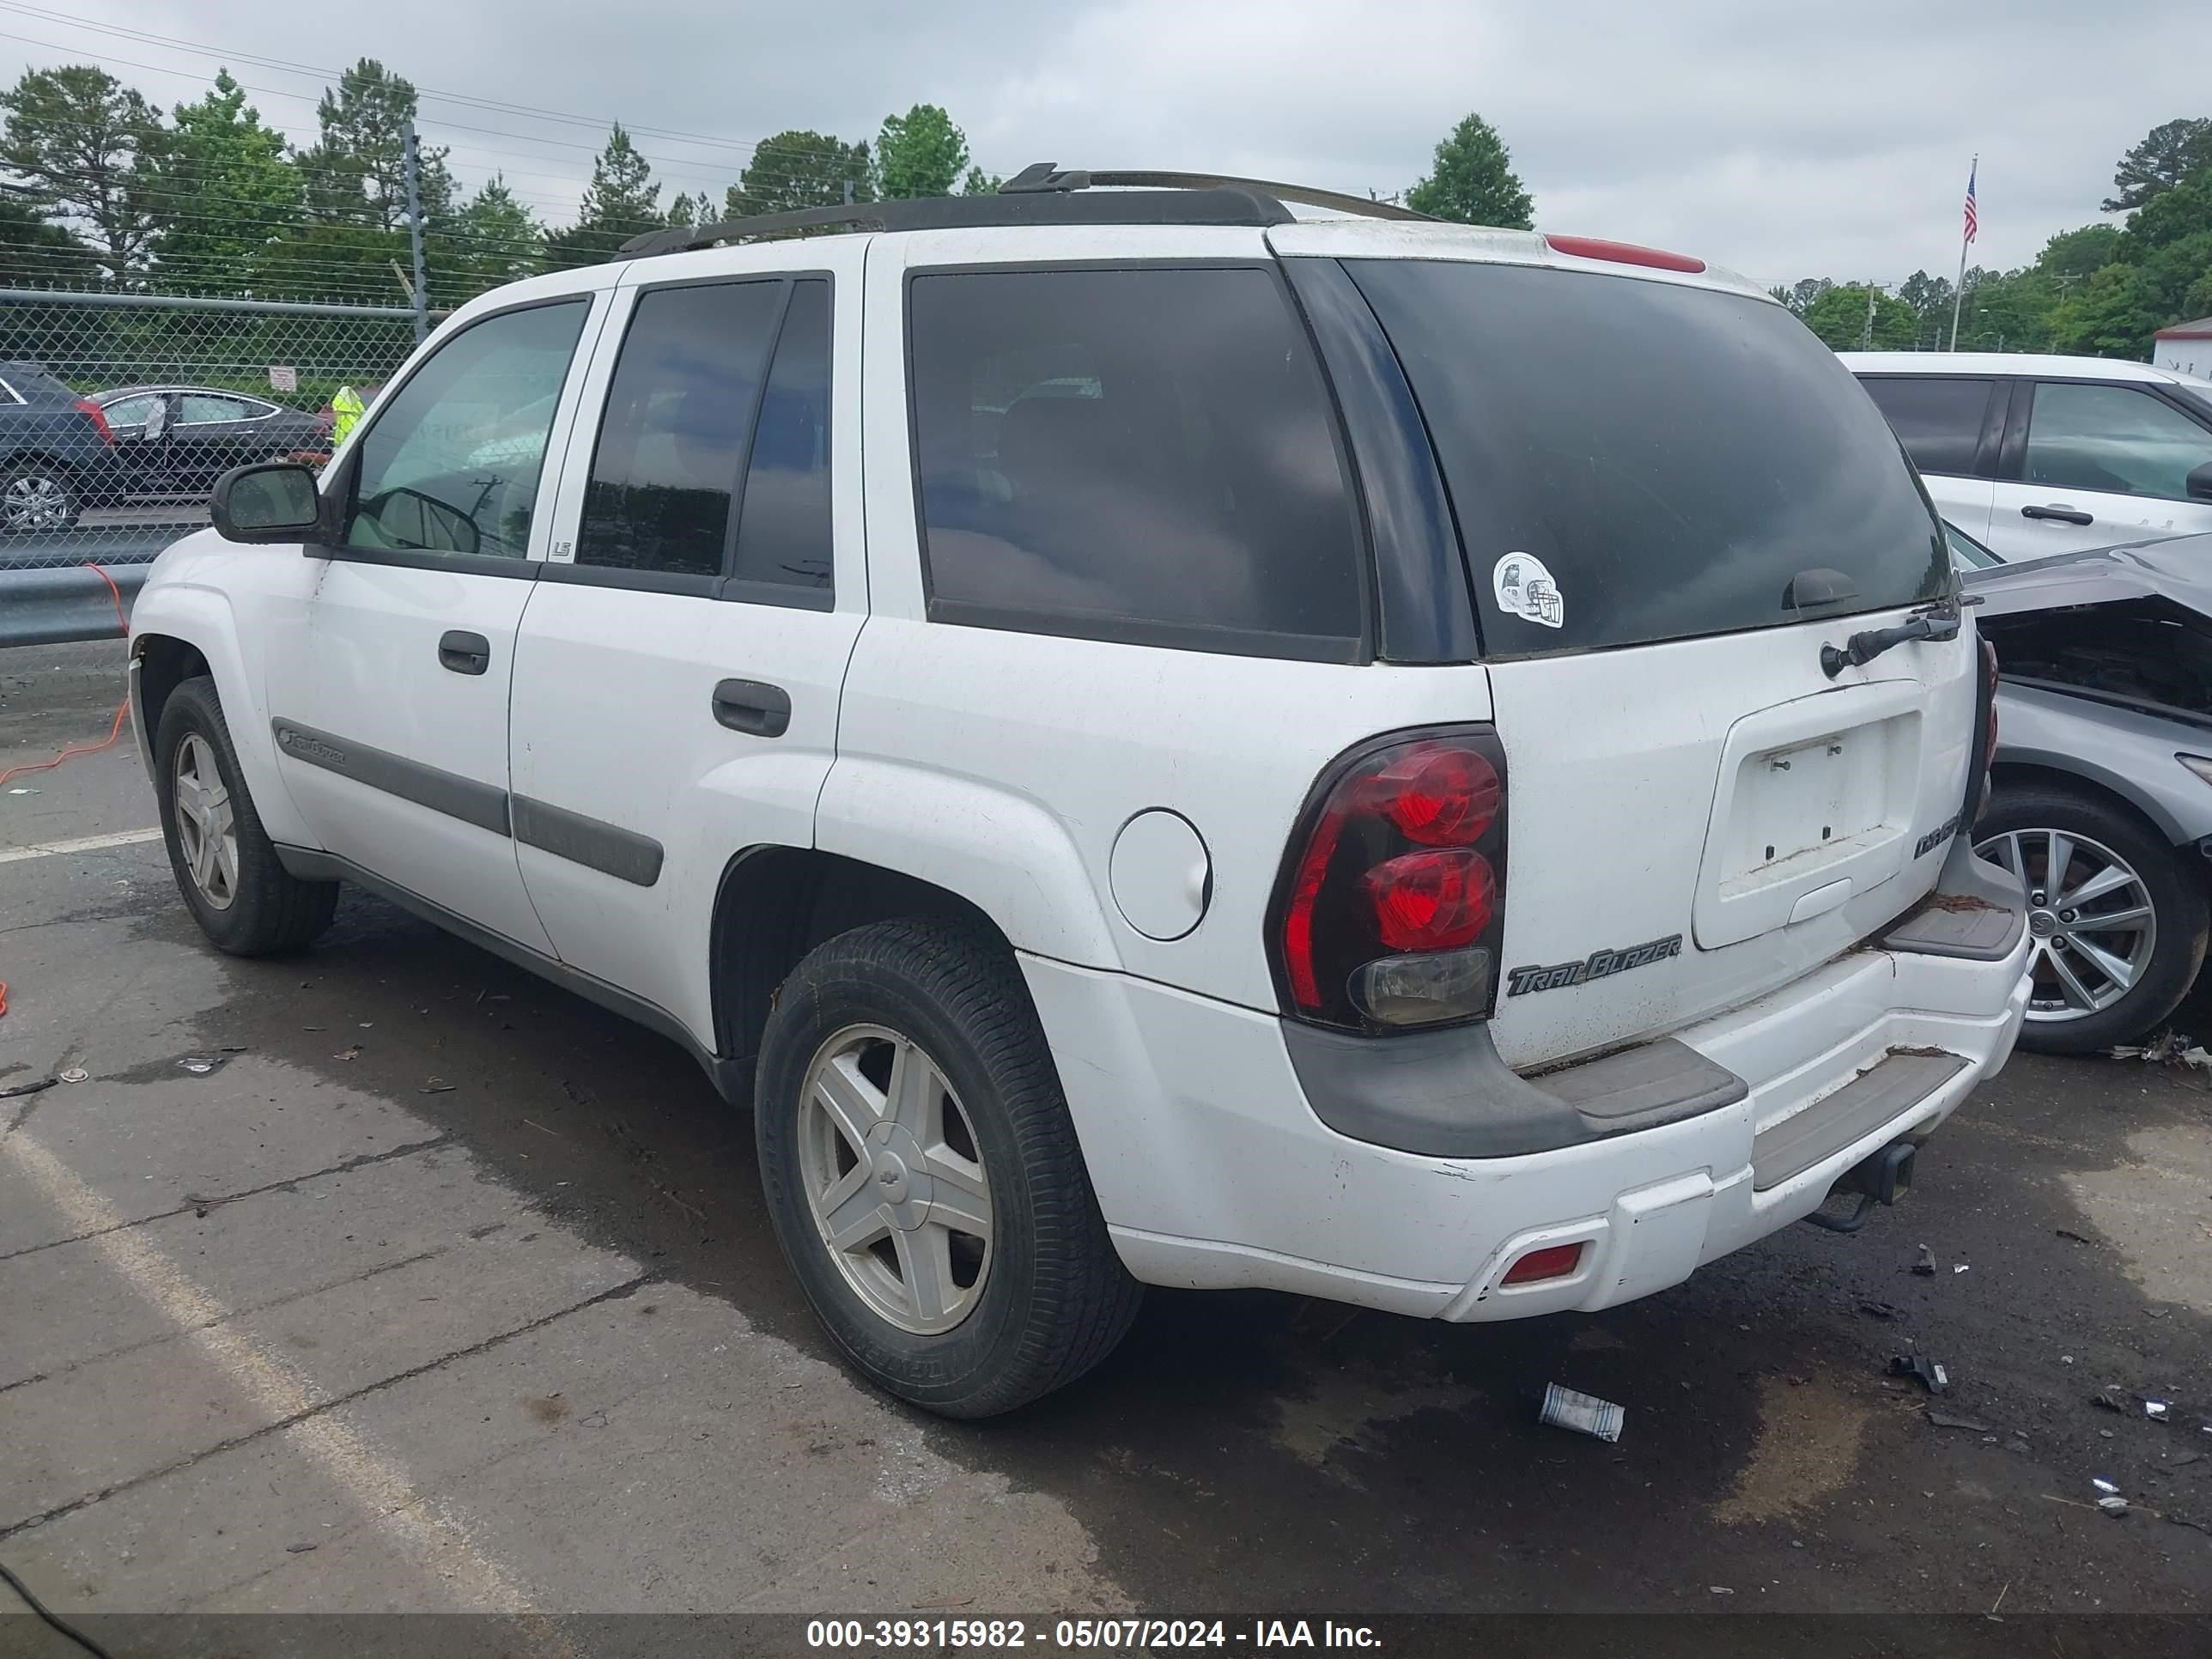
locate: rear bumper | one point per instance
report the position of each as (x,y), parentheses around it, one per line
(1214,1172)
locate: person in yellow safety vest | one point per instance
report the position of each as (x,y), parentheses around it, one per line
(346,408)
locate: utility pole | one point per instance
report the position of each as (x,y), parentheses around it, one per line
(1866,340)
(422,295)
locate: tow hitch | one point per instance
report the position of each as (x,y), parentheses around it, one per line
(1882,1178)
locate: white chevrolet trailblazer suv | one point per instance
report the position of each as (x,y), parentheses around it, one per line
(1153,739)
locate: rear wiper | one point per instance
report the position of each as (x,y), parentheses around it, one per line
(1862,649)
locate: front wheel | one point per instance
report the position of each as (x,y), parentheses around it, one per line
(2118,922)
(923,1177)
(227,868)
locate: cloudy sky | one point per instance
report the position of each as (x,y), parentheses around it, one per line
(1783,140)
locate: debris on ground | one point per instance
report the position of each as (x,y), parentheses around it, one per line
(2103,1485)
(299,1549)
(351,1052)
(1929,1374)
(1926,1266)
(2067,1232)
(74,1074)
(2110,1399)
(1878,1310)
(1951,1420)
(1958,1266)
(2114,1505)
(1584,1413)
(203,1065)
(436,1085)
(28,1088)
(2185,1460)
(2155,1410)
(2168,1048)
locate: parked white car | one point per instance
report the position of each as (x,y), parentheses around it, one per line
(1155,741)
(2038,455)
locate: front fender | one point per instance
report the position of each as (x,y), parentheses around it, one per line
(179,603)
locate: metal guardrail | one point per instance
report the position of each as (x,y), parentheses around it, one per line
(44,601)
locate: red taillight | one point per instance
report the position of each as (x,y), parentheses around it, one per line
(1432,901)
(1388,915)
(1621,253)
(1553,1261)
(99,420)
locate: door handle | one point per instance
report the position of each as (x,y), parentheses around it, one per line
(753,706)
(464,653)
(2063,514)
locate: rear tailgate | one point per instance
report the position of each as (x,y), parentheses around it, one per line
(1671,497)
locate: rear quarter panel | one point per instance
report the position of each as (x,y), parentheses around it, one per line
(2118,751)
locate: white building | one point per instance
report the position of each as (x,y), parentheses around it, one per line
(2186,348)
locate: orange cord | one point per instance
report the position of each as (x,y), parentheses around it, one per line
(115,731)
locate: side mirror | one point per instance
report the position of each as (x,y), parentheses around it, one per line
(2199,482)
(157,423)
(275,501)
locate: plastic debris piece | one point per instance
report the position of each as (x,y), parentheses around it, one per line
(74,1074)
(1926,1266)
(2109,1399)
(2113,1505)
(2101,1484)
(436,1085)
(2168,1048)
(352,1052)
(1958,1266)
(28,1088)
(2067,1232)
(1918,1366)
(1950,1421)
(1584,1413)
(202,1064)
(2155,1410)
(1719,1589)
(1878,1310)
(2185,1460)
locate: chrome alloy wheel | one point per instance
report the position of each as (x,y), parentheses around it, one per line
(2090,917)
(207,831)
(37,501)
(894,1178)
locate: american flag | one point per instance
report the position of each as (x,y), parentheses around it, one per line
(1971,223)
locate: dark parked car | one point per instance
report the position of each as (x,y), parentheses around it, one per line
(207,433)
(2103,798)
(57,454)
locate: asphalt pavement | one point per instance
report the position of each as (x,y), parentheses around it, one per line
(389,1278)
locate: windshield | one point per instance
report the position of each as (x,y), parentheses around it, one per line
(1633,461)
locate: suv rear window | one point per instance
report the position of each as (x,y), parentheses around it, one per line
(1669,457)
(1144,455)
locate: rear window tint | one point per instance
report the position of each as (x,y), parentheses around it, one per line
(1938,418)
(1633,460)
(1144,455)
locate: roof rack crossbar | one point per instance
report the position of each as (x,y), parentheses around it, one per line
(1168,197)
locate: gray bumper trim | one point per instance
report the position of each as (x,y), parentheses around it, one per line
(1977,911)
(1881,1092)
(1447,1094)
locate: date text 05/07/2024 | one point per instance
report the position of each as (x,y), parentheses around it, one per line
(873,1635)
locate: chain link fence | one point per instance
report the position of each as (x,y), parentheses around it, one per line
(118,411)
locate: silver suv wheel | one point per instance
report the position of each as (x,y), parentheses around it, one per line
(894,1180)
(207,828)
(36,501)
(2090,912)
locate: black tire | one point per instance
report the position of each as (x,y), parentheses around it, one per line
(271,910)
(58,480)
(1055,1298)
(2178,901)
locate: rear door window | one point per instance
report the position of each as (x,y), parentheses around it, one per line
(672,443)
(1135,454)
(1938,417)
(2113,438)
(783,551)
(1634,460)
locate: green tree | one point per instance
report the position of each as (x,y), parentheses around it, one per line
(1840,318)
(621,202)
(493,238)
(687,209)
(83,141)
(2167,154)
(796,169)
(1799,295)
(227,189)
(35,253)
(980,182)
(1473,180)
(2006,311)
(357,173)
(1930,300)
(2110,315)
(920,152)
(2076,253)
(356,263)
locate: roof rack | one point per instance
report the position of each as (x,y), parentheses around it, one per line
(1043,194)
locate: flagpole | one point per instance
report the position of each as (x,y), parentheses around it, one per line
(1958,287)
